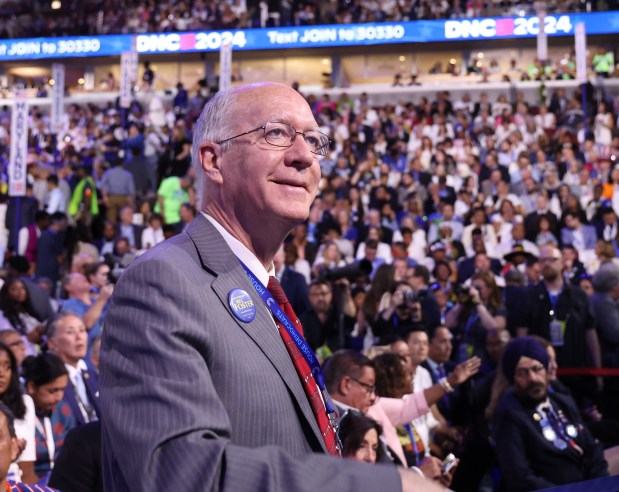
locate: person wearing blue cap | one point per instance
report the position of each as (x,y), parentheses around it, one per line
(540,439)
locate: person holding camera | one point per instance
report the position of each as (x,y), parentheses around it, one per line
(322,323)
(403,315)
(479,308)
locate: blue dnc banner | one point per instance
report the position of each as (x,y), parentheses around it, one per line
(378,33)
(29,49)
(311,36)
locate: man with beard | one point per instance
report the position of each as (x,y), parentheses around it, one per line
(322,321)
(560,313)
(540,439)
(403,315)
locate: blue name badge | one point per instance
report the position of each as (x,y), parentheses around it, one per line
(242,305)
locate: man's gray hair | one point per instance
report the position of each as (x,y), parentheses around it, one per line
(213,125)
(52,323)
(606,278)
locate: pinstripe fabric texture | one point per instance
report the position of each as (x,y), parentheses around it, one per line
(193,397)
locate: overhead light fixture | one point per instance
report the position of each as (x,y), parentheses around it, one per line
(402,58)
(56,4)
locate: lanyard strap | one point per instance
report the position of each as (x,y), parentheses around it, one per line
(46,431)
(306,351)
(411,434)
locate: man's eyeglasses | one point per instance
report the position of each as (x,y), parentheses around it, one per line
(367,387)
(524,371)
(283,135)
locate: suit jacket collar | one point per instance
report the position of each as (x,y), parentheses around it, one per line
(217,258)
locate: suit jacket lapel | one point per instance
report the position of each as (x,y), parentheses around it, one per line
(217,258)
(92,389)
(71,399)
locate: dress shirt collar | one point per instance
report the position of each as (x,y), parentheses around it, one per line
(433,365)
(243,253)
(543,406)
(343,406)
(81,366)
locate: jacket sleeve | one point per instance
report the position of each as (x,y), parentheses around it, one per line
(510,450)
(401,411)
(163,421)
(606,315)
(595,464)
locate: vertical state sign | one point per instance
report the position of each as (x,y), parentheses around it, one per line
(126,64)
(225,66)
(57,97)
(19,147)
(542,37)
(581,53)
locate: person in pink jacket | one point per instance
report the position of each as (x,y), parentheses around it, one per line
(350,380)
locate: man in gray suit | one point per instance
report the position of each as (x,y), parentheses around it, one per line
(198,390)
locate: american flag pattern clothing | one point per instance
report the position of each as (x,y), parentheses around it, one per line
(27,487)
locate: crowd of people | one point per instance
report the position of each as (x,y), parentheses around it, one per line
(442,229)
(75,18)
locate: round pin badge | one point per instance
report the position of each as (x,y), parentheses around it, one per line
(571,431)
(549,434)
(242,305)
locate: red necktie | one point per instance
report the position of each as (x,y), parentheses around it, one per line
(302,366)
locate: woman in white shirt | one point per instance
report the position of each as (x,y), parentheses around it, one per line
(22,407)
(153,234)
(603,126)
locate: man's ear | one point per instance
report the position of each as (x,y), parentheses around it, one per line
(51,345)
(344,386)
(210,160)
(14,449)
(30,387)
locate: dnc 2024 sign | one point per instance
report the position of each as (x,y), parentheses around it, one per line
(310,37)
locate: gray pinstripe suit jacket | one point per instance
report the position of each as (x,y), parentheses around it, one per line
(194,399)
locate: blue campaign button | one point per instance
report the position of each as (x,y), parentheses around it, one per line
(242,305)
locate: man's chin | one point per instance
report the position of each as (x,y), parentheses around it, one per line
(537,396)
(532,397)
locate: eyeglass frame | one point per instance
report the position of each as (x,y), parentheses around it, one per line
(297,132)
(367,387)
(522,372)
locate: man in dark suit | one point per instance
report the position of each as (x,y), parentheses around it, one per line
(605,307)
(293,283)
(78,467)
(67,338)
(324,325)
(126,228)
(438,363)
(541,441)
(50,249)
(607,226)
(201,384)
(531,221)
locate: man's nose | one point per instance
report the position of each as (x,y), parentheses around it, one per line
(300,153)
